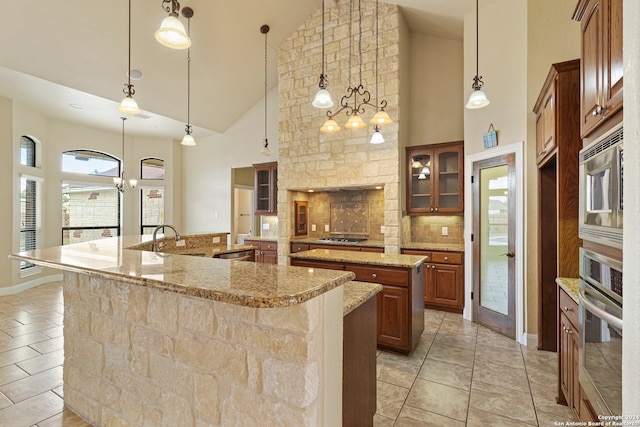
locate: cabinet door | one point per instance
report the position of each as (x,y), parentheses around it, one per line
(445,286)
(566,363)
(393,317)
(612,28)
(591,67)
(269,257)
(419,182)
(546,140)
(266,177)
(448,188)
(301,217)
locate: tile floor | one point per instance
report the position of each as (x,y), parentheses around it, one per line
(460,374)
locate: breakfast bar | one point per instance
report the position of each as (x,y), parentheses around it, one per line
(244,342)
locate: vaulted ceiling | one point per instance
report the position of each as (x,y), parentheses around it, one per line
(69,58)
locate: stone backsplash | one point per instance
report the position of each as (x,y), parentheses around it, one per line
(428,229)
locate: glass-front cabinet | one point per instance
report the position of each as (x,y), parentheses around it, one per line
(266,188)
(435,178)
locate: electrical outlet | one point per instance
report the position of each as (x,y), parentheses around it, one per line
(265,226)
(326,227)
(181,242)
(382,229)
(445,231)
(216,240)
(313,227)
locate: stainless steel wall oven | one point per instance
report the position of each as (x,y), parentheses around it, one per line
(600,352)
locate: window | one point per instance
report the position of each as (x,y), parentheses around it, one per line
(27,151)
(151,209)
(90,163)
(89,212)
(152,168)
(29,216)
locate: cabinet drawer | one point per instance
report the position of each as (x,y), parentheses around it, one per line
(316,264)
(384,276)
(269,246)
(375,250)
(299,247)
(446,257)
(569,307)
(418,252)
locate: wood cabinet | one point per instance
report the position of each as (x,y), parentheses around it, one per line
(601,71)
(400,304)
(266,188)
(443,279)
(301,217)
(435,178)
(557,112)
(265,252)
(568,381)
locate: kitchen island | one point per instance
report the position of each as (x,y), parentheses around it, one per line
(167,339)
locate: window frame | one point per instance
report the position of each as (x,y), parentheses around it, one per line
(142,162)
(164,207)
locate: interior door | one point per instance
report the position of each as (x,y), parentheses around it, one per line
(494,238)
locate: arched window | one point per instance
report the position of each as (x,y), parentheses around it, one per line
(27,151)
(89,162)
(152,168)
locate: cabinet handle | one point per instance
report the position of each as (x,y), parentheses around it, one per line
(431,209)
(566,309)
(540,152)
(433,266)
(436,209)
(374,275)
(446,258)
(597,110)
(569,331)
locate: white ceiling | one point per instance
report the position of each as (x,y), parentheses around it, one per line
(56,54)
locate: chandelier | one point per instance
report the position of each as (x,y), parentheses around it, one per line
(121,184)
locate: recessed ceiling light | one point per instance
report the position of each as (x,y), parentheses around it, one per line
(135,74)
(77,106)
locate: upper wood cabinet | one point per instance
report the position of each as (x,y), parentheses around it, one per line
(435,178)
(601,68)
(266,188)
(301,217)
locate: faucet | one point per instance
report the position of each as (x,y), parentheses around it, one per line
(154,244)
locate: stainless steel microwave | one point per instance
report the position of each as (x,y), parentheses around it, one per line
(600,198)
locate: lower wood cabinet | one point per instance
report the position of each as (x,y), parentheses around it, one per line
(443,279)
(400,304)
(265,252)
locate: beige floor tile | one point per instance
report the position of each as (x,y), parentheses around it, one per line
(397,372)
(460,327)
(30,386)
(456,356)
(500,356)
(546,419)
(31,327)
(66,418)
(544,399)
(22,340)
(498,400)
(49,345)
(54,332)
(500,375)
(31,411)
(11,373)
(479,418)
(542,374)
(447,374)
(44,362)
(4,402)
(389,399)
(17,355)
(416,417)
(440,399)
(415,358)
(380,421)
(467,342)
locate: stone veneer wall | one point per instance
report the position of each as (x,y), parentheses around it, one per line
(428,229)
(308,158)
(140,356)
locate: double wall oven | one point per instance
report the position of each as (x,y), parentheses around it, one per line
(600,351)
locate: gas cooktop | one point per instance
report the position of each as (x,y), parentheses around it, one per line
(343,239)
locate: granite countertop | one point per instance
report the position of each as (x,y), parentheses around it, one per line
(317,241)
(356,293)
(262,238)
(358,257)
(451,247)
(570,286)
(235,282)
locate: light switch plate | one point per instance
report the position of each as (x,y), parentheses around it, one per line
(216,240)
(181,242)
(445,231)
(326,227)
(313,227)
(382,229)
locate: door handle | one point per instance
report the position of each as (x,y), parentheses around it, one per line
(508,254)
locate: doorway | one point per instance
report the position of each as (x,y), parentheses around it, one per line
(494,279)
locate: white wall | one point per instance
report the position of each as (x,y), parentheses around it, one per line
(207,191)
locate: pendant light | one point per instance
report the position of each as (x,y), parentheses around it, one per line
(381,117)
(188,138)
(121,184)
(128,104)
(323,97)
(265,147)
(477,99)
(171,32)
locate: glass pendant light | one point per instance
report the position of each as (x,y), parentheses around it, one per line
(381,117)
(323,97)
(188,140)
(121,184)
(171,32)
(330,126)
(477,99)
(377,137)
(128,104)
(355,122)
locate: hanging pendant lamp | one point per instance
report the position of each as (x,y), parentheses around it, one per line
(128,104)
(381,117)
(188,138)
(265,145)
(171,32)
(121,184)
(477,99)
(323,97)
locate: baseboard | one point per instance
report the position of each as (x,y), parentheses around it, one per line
(20,287)
(532,340)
